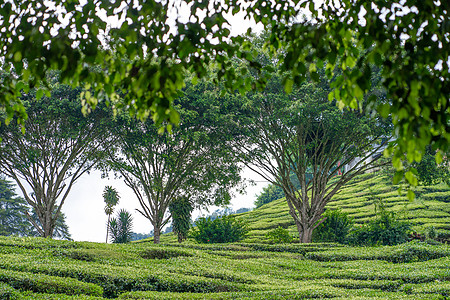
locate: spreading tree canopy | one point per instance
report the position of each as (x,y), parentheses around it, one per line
(57,146)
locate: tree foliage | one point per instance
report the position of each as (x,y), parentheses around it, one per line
(429,172)
(13,220)
(180,211)
(143,58)
(57,146)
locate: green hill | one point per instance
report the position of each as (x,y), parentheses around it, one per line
(430,208)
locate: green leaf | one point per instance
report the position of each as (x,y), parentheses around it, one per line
(288,84)
(39,94)
(411,195)
(439,157)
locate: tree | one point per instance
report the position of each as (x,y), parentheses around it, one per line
(111,198)
(13,220)
(408,41)
(180,210)
(121,227)
(58,146)
(269,193)
(193,161)
(272,192)
(304,134)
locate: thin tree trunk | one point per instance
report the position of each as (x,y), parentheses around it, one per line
(107,228)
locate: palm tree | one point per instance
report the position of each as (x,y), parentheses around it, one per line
(111,198)
(121,227)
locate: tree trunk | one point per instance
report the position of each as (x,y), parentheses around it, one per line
(107,228)
(304,232)
(306,235)
(156,234)
(47,225)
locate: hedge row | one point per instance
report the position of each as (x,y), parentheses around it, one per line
(7,292)
(404,253)
(48,284)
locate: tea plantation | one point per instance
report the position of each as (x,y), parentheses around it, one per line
(358,199)
(37,268)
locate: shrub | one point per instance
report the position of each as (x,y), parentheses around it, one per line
(335,227)
(385,229)
(222,230)
(7,292)
(121,227)
(280,235)
(181,209)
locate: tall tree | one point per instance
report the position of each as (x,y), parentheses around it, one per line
(304,135)
(13,218)
(56,148)
(111,198)
(193,161)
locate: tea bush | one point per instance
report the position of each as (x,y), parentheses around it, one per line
(222,230)
(48,284)
(280,235)
(162,253)
(335,227)
(7,292)
(385,229)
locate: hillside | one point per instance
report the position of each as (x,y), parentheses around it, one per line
(37,268)
(430,208)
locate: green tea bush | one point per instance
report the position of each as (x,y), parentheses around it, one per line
(162,253)
(385,229)
(7,292)
(48,284)
(335,227)
(222,230)
(280,235)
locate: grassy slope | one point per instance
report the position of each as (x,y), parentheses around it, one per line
(431,207)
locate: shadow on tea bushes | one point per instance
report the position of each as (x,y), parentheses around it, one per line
(7,292)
